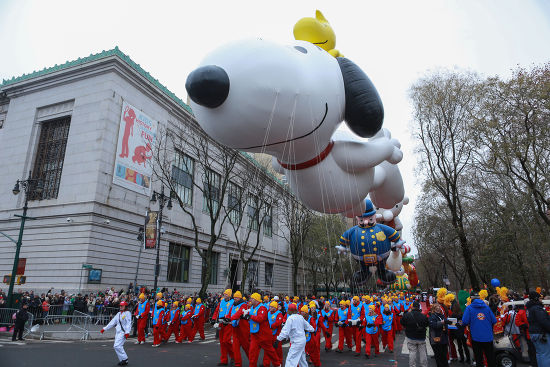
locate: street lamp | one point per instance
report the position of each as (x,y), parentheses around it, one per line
(164,200)
(140,238)
(30,185)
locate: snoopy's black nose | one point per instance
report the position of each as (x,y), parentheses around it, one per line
(208,86)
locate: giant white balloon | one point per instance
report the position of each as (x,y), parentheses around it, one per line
(287,100)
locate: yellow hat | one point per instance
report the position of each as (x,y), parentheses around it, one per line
(365,297)
(304,309)
(160,303)
(348,302)
(189,300)
(327,303)
(312,304)
(142,296)
(198,300)
(228,292)
(273,304)
(159,295)
(355,298)
(237,294)
(188,306)
(441,292)
(244,298)
(287,298)
(386,306)
(483,293)
(372,307)
(176,303)
(256,296)
(342,302)
(266,298)
(296,298)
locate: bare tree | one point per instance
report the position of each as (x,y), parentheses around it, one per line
(296,218)
(251,202)
(444,103)
(197,156)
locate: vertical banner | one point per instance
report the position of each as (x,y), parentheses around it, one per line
(151,221)
(133,162)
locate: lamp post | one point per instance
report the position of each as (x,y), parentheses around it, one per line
(163,200)
(140,238)
(29,185)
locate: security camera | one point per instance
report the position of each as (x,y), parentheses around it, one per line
(162,230)
(69,219)
(106,221)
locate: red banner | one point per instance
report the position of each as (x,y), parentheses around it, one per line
(21,266)
(151,230)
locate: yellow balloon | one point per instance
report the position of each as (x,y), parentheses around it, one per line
(317,31)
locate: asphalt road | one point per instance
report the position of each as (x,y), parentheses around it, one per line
(97,353)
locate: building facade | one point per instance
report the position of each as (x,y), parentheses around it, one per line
(62,125)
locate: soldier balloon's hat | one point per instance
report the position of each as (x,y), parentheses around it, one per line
(369,209)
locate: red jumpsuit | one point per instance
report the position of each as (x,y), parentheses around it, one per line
(185,326)
(142,314)
(356,313)
(372,323)
(222,312)
(387,331)
(312,343)
(158,325)
(275,320)
(326,322)
(260,336)
(172,319)
(241,332)
(344,331)
(198,321)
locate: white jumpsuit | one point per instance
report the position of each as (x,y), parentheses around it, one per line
(295,328)
(123,323)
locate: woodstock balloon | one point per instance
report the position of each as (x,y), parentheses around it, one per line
(287,101)
(390,217)
(317,31)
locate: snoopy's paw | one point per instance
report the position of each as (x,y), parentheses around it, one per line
(396,157)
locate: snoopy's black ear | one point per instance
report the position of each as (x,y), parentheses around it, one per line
(364,110)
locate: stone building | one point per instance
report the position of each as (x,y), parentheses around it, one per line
(61,124)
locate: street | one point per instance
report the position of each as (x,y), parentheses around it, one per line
(205,353)
(95,353)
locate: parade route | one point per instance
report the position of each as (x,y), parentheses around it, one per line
(200,352)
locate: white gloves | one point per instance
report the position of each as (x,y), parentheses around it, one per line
(216,325)
(341,249)
(245,312)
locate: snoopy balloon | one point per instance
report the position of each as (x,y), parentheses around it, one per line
(287,100)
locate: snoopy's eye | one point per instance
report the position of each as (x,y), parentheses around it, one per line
(301,49)
(397,206)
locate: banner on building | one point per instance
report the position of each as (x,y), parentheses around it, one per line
(136,139)
(151,232)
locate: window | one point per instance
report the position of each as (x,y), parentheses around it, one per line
(214,265)
(211,191)
(253,217)
(50,156)
(268,274)
(268,221)
(233,203)
(252,275)
(178,263)
(182,175)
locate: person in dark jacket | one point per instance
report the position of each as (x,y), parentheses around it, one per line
(539,328)
(438,334)
(458,333)
(481,319)
(415,324)
(21,318)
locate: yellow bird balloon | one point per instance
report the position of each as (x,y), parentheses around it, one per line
(317,31)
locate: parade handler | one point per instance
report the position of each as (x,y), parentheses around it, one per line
(142,314)
(222,320)
(294,329)
(327,322)
(275,318)
(123,324)
(260,333)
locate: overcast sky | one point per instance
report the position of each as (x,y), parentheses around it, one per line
(395,42)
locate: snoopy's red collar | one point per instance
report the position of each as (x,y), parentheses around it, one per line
(312,162)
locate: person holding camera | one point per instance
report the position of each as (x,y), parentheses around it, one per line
(481,319)
(539,328)
(439,334)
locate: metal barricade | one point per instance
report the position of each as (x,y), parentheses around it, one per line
(77,324)
(7,320)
